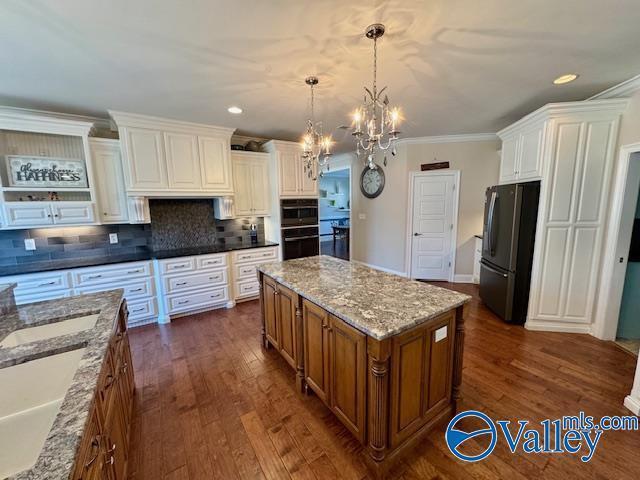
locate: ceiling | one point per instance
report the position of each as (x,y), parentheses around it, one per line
(453,66)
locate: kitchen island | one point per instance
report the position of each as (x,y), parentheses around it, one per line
(382,352)
(67,389)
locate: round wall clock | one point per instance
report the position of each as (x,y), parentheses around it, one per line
(372,181)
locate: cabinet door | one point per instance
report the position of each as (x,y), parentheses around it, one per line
(243,188)
(509,159)
(90,458)
(115,435)
(288,173)
(316,351)
(530,157)
(145,160)
(347,365)
(260,188)
(287,302)
(215,162)
(28,214)
(72,213)
(112,197)
(308,186)
(270,312)
(183,164)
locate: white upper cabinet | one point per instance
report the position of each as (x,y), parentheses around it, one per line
(146,167)
(171,158)
(251,179)
(293,181)
(111,194)
(183,163)
(216,164)
(522,154)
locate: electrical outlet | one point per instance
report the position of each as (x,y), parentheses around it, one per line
(362,216)
(113,238)
(29,244)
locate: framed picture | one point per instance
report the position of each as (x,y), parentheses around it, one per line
(31,171)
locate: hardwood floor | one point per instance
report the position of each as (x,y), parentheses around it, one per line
(341,249)
(211,403)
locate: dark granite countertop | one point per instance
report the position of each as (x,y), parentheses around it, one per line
(377,303)
(49,265)
(59,451)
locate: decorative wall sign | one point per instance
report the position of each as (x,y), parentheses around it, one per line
(434,166)
(28,171)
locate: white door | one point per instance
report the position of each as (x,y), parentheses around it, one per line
(145,159)
(509,159)
(71,213)
(433,226)
(215,161)
(530,162)
(183,164)
(260,188)
(107,165)
(242,180)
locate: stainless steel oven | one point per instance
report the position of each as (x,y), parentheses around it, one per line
(298,242)
(299,211)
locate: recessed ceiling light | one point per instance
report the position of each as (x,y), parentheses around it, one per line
(566,78)
(235,110)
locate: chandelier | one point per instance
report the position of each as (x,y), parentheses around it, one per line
(374,122)
(315,146)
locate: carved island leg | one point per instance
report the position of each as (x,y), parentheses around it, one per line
(461,313)
(300,382)
(263,331)
(378,399)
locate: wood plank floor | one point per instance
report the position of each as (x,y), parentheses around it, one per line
(212,404)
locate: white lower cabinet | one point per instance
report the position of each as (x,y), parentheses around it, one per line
(192,284)
(244,268)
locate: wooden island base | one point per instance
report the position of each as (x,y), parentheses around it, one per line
(389,393)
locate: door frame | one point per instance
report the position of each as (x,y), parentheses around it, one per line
(454,233)
(607,316)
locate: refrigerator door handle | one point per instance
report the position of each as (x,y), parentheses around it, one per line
(492,207)
(493,270)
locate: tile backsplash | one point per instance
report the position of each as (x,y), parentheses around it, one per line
(174,224)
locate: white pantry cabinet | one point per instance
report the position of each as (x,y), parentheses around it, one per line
(293,181)
(169,158)
(111,194)
(570,147)
(251,183)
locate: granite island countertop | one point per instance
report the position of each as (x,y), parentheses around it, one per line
(377,303)
(58,454)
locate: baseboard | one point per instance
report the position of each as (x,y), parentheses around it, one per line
(552,326)
(463,278)
(384,269)
(633,404)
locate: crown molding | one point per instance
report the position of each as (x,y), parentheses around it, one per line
(125,119)
(12,118)
(622,90)
(465,137)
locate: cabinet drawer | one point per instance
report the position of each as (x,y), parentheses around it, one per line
(247,289)
(39,283)
(178,283)
(110,273)
(22,299)
(141,309)
(253,255)
(143,287)
(211,261)
(176,265)
(246,272)
(196,301)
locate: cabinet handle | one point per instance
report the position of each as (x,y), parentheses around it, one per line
(138,310)
(214,278)
(105,214)
(110,382)
(47,283)
(136,290)
(134,271)
(49,215)
(124,367)
(266,254)
(215,296)
(90,277)
(180,284)
(95,443)
(182,302)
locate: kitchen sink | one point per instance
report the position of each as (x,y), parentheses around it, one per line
(50,330)
(30,398)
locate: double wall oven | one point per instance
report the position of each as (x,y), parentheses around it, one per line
(300,228)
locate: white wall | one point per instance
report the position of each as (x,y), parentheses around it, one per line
(380,239)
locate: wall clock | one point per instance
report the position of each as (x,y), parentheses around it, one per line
(372,181)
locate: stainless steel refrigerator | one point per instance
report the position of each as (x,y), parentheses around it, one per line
(510,217)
